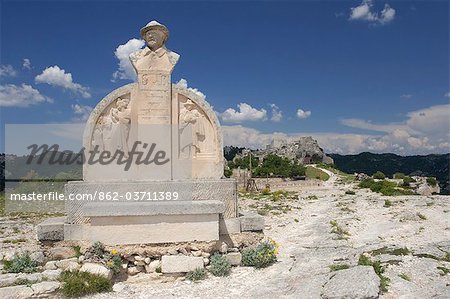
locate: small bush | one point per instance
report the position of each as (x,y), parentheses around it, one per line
(431,181)
(196,275)
(115,263)
(398,175)
(263,255)
(387,203)
(379,175)
(407,180)
(227,172)
(21,263)
(77,284)
(220,266)
(98,249)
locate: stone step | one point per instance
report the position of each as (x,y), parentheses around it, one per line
(191,207)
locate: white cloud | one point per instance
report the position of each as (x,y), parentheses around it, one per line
(406,96)
(7,71)
(245,113)
(183,84)
(277,114)
(365,12)
(303,114)
(26,64)
(447,94)
(56,76)
(21,96)
(126,70)
(424,131)
(81,112)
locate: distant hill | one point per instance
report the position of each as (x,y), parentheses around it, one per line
(429,165)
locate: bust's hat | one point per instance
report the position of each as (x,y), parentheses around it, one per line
(154,25)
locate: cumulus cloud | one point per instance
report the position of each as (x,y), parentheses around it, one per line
(447,94)
(406,96)
(424,131)
(122,53)
(7,71)
(365,12)
(303,114)
(81,112)
(55,76)
(183,84)
(245,113)
(277,114)
(21,96)
(26,64)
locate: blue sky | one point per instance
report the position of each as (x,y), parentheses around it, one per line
(356,75)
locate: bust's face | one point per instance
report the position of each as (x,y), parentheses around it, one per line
(154,39)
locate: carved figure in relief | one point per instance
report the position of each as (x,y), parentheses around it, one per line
(111,131)
(191,141)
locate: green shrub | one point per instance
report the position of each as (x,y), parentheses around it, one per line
(379,175)
(115,263)
(432,181)
(384,187)
(227,172)
(407,180)
(387,203)
(21,263)
(398,175)
(77,284)
(98,249)
(196,275)
(220,266)
(263,255)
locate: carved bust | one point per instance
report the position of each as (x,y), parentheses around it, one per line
(155,56)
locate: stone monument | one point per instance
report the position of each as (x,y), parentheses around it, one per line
(179,134)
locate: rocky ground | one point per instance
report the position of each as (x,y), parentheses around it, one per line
(320,229)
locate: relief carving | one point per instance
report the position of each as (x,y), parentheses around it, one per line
(195,130)
(112,129)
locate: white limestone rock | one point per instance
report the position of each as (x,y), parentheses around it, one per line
(180,263)
(97,269)
(357,282)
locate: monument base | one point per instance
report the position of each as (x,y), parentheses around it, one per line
(203,210)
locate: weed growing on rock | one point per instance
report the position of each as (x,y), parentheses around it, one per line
(364,260)
(422,216)
(76,284)
(444,270)
(336,229)
(339,267)
(404,276)
(21,263)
